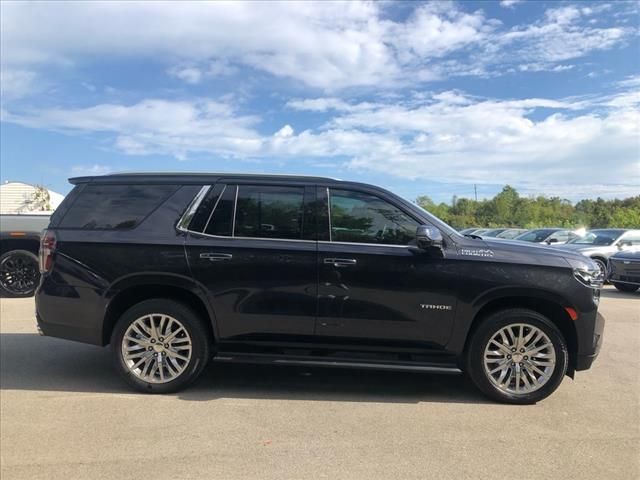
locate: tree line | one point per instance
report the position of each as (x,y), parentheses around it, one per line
(509,209)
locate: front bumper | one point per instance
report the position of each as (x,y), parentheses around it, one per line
(589,351)
(624,271)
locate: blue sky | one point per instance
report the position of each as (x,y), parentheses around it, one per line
(422,98)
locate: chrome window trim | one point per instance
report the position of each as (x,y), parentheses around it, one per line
(235,210)
(366,244)
(206,225)
(252,238)
(187,216)
(329,213)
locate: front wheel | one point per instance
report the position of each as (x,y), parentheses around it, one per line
(626,287)
(517,356)
(160,346)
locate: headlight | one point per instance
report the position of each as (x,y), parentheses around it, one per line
(589,277)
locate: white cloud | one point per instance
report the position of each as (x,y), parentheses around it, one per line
(509,3)
(448,136)
(95,169)
(327,45)
(156,126)
(16,83)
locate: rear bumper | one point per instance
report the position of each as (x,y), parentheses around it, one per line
(72,313)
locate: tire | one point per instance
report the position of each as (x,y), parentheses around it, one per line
(603,266)
(150,367)
(551,374)
(626,287)
(19,273)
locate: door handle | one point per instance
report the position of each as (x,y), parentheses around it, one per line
(216,257)
(340,262)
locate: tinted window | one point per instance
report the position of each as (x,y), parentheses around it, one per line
(363,218)
(203,213)
(269,212)
(115,206)
(221,221)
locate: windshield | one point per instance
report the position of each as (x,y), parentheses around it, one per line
(598,237)
(535,235)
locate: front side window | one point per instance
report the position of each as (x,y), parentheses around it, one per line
(269,212)
(358,217)
(560,236)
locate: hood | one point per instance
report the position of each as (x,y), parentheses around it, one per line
(627,255)
(534,253)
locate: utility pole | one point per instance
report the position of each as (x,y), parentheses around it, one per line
(475,191)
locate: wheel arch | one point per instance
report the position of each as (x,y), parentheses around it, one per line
(133,290)
(550,306)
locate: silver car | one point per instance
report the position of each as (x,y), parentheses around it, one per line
(600,244)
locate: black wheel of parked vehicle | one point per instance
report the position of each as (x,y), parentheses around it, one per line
(626,287)
(19,273)
(160,346)
(517,356)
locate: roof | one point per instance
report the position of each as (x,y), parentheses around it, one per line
(190,177)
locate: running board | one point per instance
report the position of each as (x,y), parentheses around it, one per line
(267,359)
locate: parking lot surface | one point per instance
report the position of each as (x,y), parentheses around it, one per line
(66,414)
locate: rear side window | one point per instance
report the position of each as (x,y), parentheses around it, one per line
(269,212)
(114,207)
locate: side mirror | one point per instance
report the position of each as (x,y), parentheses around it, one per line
(624,243)
(428,237)
(552,240)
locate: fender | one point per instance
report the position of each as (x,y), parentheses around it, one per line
(467,311)
(149,279)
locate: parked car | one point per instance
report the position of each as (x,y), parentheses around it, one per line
(624,270)
(467,231)
(600,244)
(511,233)
(547,235)
(175,269)
(494,232)
(19,243)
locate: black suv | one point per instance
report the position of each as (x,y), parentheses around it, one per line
(175,269)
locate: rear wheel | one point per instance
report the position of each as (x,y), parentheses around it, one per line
(517,356)
(626,287)
(160,346)
(19,273)
(602,265)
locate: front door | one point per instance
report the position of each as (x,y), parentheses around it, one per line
(254,251)
(375,284)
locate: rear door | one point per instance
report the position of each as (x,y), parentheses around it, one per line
(253,247)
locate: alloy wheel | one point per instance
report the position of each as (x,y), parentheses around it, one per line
(156,348)
(519,359)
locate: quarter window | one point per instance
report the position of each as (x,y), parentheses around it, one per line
(114,207)
(269,212)
(363,218)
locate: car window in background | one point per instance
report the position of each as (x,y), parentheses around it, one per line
(510,234)
(632,237)
(495,232)
(362,218)
(535,235)
(561,236)
(598,237)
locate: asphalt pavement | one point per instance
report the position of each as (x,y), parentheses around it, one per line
(65,414)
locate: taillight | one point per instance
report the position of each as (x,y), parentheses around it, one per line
(47,247)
